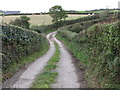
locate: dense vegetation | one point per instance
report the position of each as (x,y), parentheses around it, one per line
(98,49)
(81,25)
(18,43)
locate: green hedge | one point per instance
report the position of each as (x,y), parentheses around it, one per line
(103,44)
(77,27)
(81,25)
(18,43)
(98,48)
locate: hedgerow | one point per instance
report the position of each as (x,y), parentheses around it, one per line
(18,43)
(77,27)
(98,48)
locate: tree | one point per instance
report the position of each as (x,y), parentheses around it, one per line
(23,22)
(57,13)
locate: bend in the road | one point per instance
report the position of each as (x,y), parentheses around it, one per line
(27,78)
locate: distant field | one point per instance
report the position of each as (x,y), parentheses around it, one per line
(40,19)
(98,11)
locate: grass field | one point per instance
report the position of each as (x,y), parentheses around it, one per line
(40,19)
(99,11)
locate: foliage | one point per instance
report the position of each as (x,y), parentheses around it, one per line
(98,48)
(18,43)
(43,28)
(23,22)
(57,13)
(77,27)
(67,34)
(103,42)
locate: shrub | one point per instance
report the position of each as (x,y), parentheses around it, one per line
(21,22)
(67,34)
(76,28)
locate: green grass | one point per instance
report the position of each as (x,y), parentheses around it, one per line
(24,61)
(49,76)
(45,79)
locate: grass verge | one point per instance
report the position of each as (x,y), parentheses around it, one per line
(48,77)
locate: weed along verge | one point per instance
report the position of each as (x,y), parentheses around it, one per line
(49,74)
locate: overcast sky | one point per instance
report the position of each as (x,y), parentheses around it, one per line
(44,5)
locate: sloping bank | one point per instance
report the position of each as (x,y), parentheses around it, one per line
(20,47)
(98,49)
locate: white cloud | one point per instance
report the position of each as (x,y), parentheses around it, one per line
(44,5)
